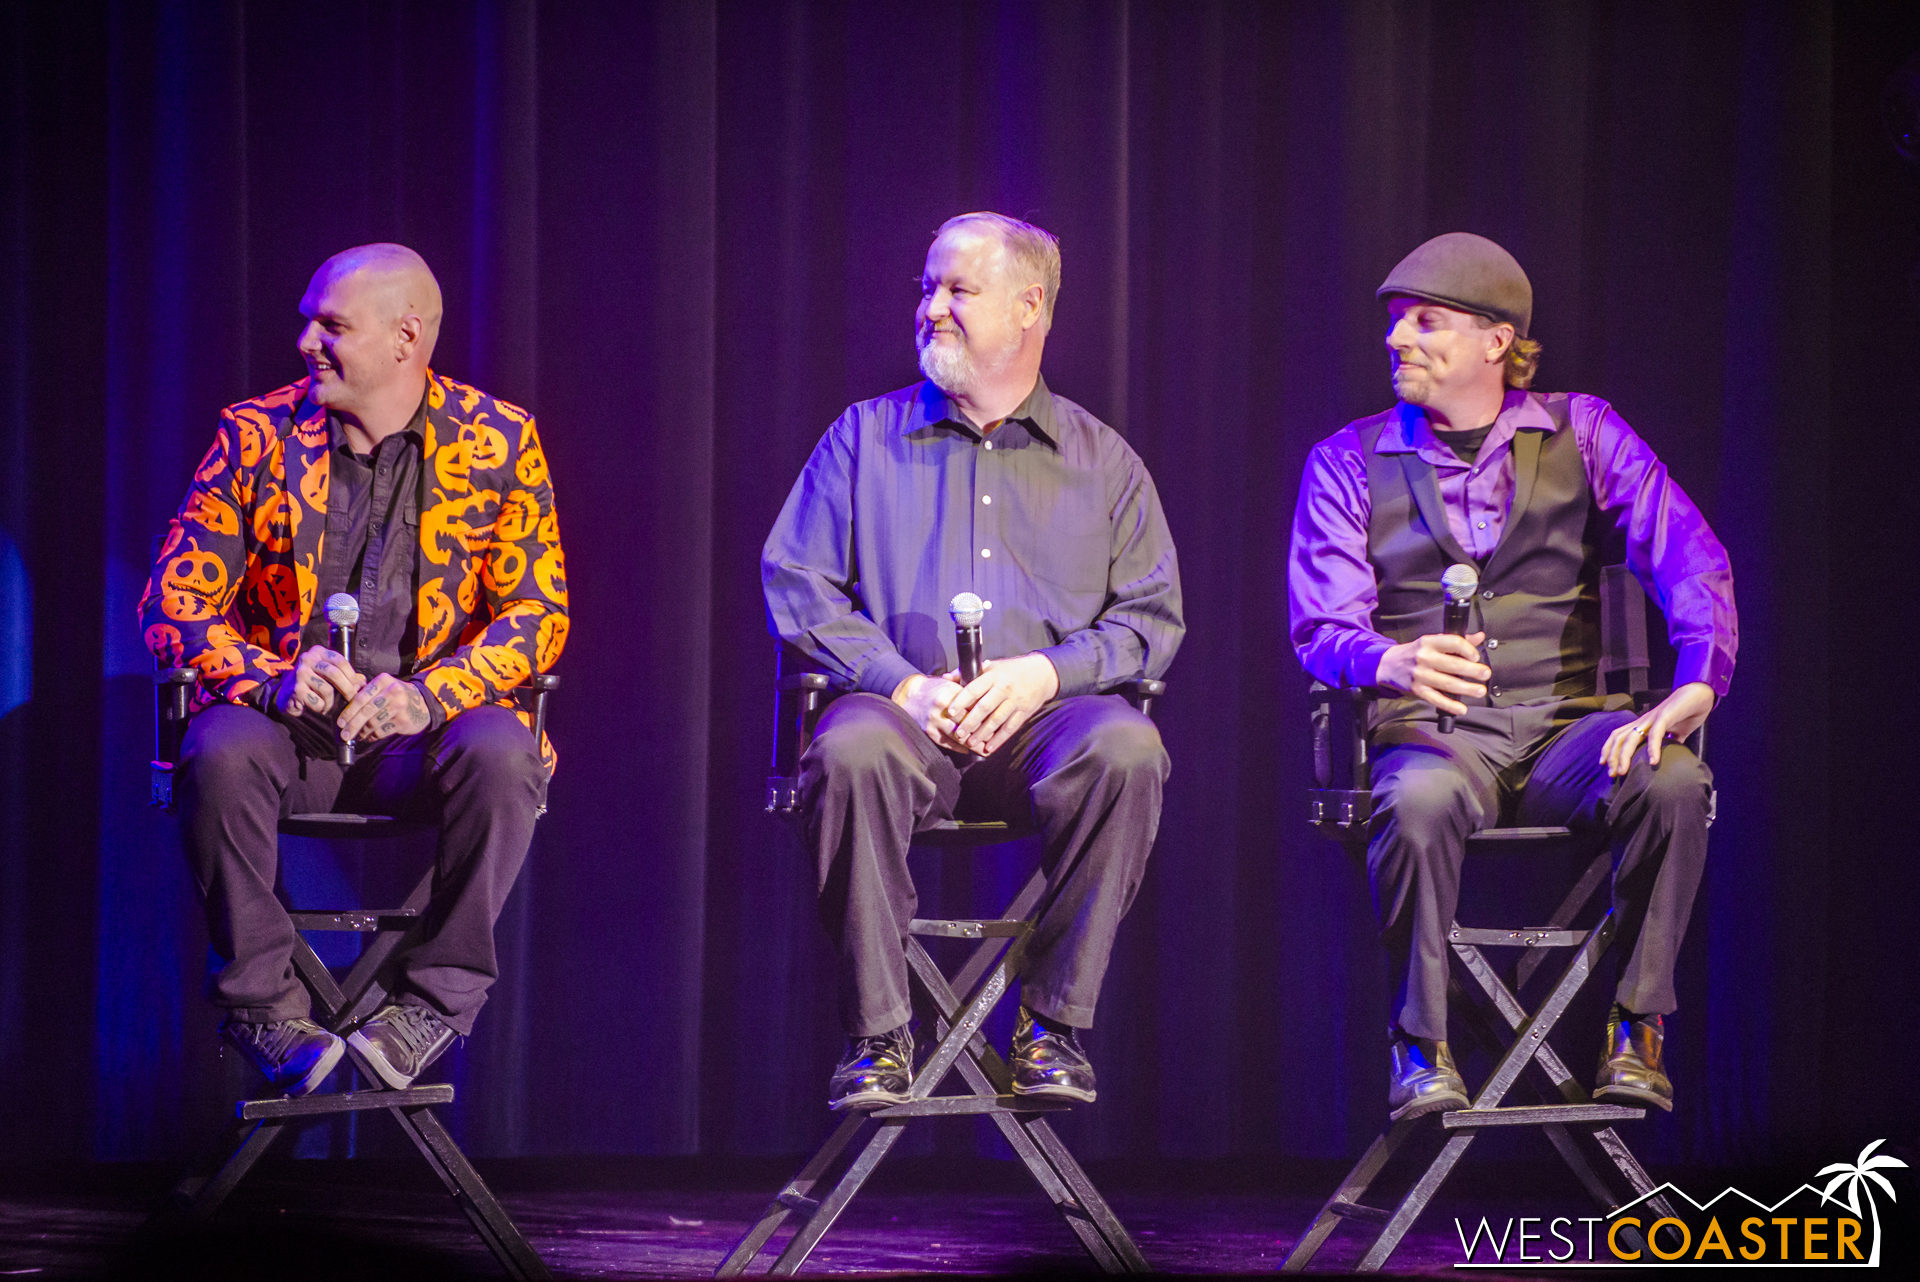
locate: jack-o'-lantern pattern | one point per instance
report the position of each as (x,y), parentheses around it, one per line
(239,567)
(214,512)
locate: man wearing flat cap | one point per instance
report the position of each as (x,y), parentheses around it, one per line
(1471,468)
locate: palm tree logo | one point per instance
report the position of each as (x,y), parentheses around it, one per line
(1864,1168)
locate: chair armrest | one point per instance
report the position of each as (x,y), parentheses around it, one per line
(532,697)
(172,689)
(800,698)
(172,692)
(1338,724)
(1140,692)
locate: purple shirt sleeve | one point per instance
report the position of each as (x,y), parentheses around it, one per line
(809,576)
(1670,548)
(1332,594)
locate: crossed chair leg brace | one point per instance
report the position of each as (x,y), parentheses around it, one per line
(989,1081)
(1574,1109)
(338,1005)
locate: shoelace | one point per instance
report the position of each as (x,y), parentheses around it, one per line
(881,1043)
(418,1027)
(271,1041)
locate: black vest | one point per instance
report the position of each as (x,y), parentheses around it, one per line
(1539,600)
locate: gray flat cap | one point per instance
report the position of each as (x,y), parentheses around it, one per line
(1469,272)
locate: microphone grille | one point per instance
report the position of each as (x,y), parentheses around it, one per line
(1460,582)
(342,610)
(967,609)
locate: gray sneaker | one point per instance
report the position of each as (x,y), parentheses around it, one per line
(400,1041)
(295,1055)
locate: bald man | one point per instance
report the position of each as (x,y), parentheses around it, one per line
(426,501)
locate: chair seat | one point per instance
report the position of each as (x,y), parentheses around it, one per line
(952,832)
(355,827)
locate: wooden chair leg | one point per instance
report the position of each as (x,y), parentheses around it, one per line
(471,1194)
(985,978)
(797,1198)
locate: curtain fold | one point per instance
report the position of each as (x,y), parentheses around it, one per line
(685,235)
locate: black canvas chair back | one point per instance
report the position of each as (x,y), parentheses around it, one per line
(1579,1130)
(962,1002)
(340,1003)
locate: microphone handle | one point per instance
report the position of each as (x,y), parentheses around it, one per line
(340,637)
(967,641)
(1455,625)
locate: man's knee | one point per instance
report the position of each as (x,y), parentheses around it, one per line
(489,747)
(1426,795)
(858,738)
(1680,786)
(230,749)
(1128,743)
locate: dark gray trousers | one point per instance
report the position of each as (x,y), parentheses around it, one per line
(1507,766)
(1088,770)
(478,777)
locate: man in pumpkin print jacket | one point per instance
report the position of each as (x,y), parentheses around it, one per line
(428,502)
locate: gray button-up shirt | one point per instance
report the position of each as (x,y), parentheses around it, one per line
(1051,519)
(370,552)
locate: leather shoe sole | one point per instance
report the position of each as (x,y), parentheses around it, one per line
(1439,1102)
(1632,1096)
(1056,1090)
(869,1100)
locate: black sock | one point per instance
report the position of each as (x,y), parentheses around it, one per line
(1047,1024)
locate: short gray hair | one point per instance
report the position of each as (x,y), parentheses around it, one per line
(1033,251)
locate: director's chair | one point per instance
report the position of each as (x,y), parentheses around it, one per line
(1341,807)
(339,1004)
(961,1002)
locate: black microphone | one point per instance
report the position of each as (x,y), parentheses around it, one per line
(968,610)
(343,615)
(1459,583)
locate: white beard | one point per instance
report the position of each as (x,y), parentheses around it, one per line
(953,369)
(948,366)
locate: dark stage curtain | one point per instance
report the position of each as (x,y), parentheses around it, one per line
(685,235)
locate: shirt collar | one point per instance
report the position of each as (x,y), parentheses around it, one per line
(1408,432)
(415,430)
(932,407)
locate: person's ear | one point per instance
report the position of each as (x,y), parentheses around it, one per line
(1499,342)
(408,334)
(1032,305)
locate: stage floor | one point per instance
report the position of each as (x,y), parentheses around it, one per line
(621,1218)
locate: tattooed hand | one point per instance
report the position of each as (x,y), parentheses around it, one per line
(319,680)
(386,706)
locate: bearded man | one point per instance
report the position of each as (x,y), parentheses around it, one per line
(428,502)
(1472,468)
(978,479)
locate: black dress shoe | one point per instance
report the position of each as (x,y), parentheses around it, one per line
(1424,1079)
(400,1041)
(294,1054)
(1048,1061)
(875,1072)
(1630,1068)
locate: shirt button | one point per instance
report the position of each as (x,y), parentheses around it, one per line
(1488,594)
(986,605)
(1493,645)
(987,499)
(986,551)
(989,444)
(1483,525)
